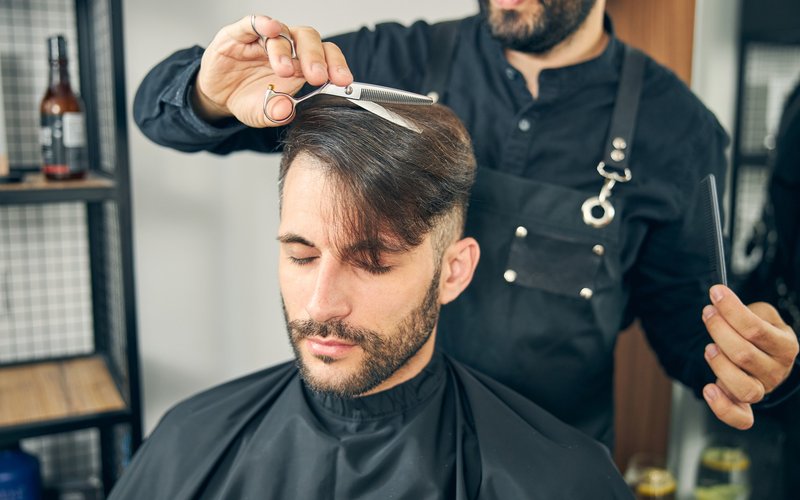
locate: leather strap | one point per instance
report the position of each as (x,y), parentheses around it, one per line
(626,107)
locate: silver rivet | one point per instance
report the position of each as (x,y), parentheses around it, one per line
(617,155)
(619,143)
(586,293)
(348,90)
(524,125)
(598,249)
(521,232)
(510,276)
(434,95)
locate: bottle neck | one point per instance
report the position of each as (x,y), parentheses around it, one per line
(59,76)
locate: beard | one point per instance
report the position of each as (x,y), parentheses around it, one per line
(539,31)
(383,354)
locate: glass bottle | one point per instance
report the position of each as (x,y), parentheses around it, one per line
(63,129)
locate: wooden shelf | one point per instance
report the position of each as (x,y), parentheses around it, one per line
(45,393)
(36,189)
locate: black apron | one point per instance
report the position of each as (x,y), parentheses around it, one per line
(544,309)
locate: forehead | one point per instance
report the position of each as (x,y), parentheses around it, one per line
(306,197)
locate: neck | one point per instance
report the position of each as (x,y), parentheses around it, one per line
(588,42)
(410,369)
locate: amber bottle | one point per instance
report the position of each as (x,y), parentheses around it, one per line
(63,129)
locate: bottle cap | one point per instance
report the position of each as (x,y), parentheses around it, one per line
(725,459)
(57,48)
(656,482)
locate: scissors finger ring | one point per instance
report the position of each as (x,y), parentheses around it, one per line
(263,39)
(271,93)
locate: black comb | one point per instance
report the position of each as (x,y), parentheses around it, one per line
(709,205)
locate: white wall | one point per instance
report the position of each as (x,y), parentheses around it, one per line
(205,226)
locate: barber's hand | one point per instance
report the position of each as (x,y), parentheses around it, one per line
(235,71)
(753,352)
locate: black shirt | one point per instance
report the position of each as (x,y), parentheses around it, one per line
(550,333)
(447,433)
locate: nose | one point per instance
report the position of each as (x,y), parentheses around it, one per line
(330,299)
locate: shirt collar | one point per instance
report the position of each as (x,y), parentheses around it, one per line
(557,82)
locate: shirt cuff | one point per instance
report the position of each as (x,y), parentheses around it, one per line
(783,391)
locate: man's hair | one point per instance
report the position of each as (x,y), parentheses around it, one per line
(391,186)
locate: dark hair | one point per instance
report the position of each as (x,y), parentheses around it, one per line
(392,185)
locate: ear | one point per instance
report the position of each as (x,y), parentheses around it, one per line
(458,266)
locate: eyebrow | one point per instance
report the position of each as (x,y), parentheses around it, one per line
(295,238)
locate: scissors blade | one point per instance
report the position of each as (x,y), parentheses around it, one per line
(384,113)
(376,93)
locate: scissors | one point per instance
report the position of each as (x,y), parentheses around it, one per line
(365,95)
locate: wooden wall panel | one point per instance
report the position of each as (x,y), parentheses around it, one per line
(664,29)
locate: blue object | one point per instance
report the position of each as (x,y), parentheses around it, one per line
(20,477)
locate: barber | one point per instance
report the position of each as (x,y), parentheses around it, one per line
(589,154)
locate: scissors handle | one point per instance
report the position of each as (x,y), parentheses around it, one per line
(271,93)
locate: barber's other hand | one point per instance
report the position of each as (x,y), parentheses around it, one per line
(235,71)
(753,352)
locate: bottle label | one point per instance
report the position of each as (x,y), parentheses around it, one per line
(74,130)
(63,141)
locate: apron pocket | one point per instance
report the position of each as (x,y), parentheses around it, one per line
(555,263)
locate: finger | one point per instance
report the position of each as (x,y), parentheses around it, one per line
(760,331)
(279,52)
(736,414)
(739,384)
(311,54)
(280,108)
(740,351)
(242,30)
(338,71)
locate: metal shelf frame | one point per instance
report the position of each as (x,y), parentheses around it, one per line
(108,212)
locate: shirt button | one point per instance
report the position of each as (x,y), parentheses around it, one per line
(524,125)
(586,293)
(598,249)
(510,275)
(510,73)
(521,232)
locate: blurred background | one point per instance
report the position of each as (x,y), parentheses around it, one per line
(187,241)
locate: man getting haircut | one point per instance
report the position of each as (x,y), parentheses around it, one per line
(371,247)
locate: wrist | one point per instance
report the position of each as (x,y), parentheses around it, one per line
(205,108)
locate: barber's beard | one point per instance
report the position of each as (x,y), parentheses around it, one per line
(383,353)
(536,31)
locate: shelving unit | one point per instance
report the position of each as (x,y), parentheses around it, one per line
(69,376)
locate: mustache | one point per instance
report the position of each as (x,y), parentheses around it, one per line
(309,328)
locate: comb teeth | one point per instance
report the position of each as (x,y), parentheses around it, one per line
(392,97)
(709,204)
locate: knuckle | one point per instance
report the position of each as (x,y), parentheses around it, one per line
(743,357)
(754,332)
(774,380)
(794,348)
(754,394)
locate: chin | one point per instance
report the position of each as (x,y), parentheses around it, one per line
(325,373)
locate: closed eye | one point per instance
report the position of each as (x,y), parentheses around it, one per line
(378,270)
(301,261)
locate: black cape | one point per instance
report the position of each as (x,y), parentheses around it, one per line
(450,432)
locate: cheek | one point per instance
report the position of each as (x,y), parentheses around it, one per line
(293,289)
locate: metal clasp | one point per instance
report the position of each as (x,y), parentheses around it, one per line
(601,201)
